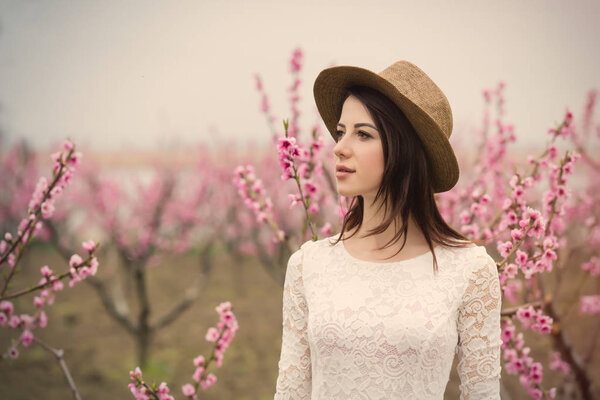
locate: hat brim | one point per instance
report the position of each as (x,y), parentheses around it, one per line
(329,90)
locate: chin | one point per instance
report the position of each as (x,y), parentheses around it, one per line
(346,192)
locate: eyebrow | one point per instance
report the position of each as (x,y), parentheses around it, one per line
(359,125)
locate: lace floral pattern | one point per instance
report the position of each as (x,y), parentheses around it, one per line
(354,329)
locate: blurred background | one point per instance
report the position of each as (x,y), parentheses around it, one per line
(165,99)
(156,74)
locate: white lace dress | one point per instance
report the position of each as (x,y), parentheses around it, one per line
(354,329)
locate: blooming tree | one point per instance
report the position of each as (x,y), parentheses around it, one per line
(40,209)
(145,223)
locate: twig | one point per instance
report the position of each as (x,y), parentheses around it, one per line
(58,353)
(513,310)
(109,304)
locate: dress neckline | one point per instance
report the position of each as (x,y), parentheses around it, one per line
(385,263)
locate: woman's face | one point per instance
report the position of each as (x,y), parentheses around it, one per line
(358,148)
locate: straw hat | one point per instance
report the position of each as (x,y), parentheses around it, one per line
(423,103)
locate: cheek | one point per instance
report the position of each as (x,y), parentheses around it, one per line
(373,159)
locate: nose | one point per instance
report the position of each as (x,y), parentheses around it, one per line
(341,149)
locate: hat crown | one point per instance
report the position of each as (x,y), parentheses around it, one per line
(414,84)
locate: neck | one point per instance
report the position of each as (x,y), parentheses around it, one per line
(373,217)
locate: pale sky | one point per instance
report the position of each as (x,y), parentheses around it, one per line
(147,74)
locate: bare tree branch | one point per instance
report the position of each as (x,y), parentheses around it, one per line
(58,353)
(109,304)
(192,293)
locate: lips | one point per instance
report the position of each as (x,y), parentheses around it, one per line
(343,171)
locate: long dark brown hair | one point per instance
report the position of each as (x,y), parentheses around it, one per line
(406,183)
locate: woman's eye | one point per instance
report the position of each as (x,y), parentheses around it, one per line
(361,134)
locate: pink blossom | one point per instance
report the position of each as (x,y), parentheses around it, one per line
(556,363)
(38,302)
(14,321)
(561,191)
(89,246)
(75,261)
(552,151)
(212,334)
(199,361)
(475,208)
(47,209)
(592,266)
(67,146)
(511,270)
(137,373)
(518,192)
(303,170)
(532,213)
(163,389)
(57,285)
(13,353)
(525,314)
(47,272)
(550,255)
(521,257)
(549,242)
(210,380)
(188,389)
(7,307)
(512,217)
(326,229)
(223,307)
(517,234)
(505,248)
(310,188)
(93,265)
(294,199)
(198,374)
(42,319)
(56,157)
(261,217)
(56,190)
(26,338)
(569,117)
(589,304)
(536,373)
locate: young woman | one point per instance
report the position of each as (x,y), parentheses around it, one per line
(379,312)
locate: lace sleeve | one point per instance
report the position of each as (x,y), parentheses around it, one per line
(479,332)
(295,376)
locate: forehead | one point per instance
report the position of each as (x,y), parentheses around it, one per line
(354,109)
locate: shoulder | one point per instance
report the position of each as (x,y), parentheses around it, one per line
(305,248)
(468,252)
(470,258)
(311,247)
(479,271)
